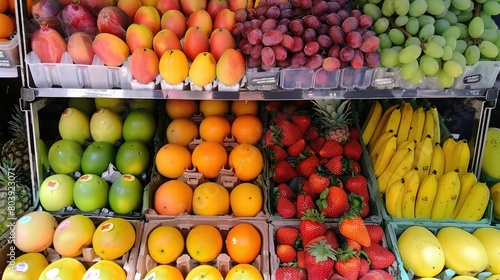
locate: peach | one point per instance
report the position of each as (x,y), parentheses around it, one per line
(225,19)
(221,40)
(167,5)
(215,6)
(195,42)
(165,40)
(149,16)
(139,36)
(230,67)
(80,48)
(240,4)
(110,49)
(130,7)
(113,20)
(190,6)
(144,65)
(48,44)
(202,19)
(175,21)
(95,6)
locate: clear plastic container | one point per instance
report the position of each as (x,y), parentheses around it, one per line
(351,78)
(9,53)
(296,78)
(258,79)
(324,79)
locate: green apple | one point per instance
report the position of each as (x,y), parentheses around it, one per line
(125,194)
(90,192)
(132,158)
(97,157)
(140,125)
(65,156)
(56,192)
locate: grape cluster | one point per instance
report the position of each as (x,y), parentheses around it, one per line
(306,33)
(434,38)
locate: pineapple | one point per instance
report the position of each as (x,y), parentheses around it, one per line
(14,196)
(17,148)
(334,118)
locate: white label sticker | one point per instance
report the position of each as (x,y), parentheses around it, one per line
(63,225)
(21,267)
(92,274)
(24,220)
(53,185)
(52,274)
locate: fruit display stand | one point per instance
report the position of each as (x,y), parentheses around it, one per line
(9,58)
(185,263)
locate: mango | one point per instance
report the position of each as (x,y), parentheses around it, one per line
(230,67)
(190,6)
(139,36)
(130,7)
(110,49)
(195,42)
(225,19)
(80,48)
(202,19)
(95,6)
(48,45)
(174,67)
(220,41)
(165,40)
(167,5)
(144,65)
(175,21)
(202,70)
(113,20)
(215,6)
(149,16)
(240,4)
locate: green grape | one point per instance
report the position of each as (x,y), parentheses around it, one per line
(481,1)
(417,78)
(452,69)
(412,26)
(373,11)
(444,80)
(412,41)
(450,17)
(429,65)
(417,8)
(454,10)
(465,16)
(459,58)
(497,42)
(487,20)
(441,25)
(461,46)
(402,7)
(435,7)
(385,42)
(432,49)
(476,27)
(472,54)
(388,8)
(397,37)
(447,4)
(374,1)
(409,53)
(493,25)
(453,31)
(381,25)
(426,32)
(408,70)
(461,4)
(425,19)
(464,31)
(488,49)
(451,42)
(389,57)
(397,48)
(470,8)
(440,40)
(447,53)
(401,20)
(489,35)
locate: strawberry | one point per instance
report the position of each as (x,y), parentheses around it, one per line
(355,167)
(280,118)
(332,238)
(302,121)
(372,275)
(301,259)
(331,149)
(318,182)
(311,133)
(307,166)
(285,253)
(358,185)
(386,275)
(306,187)
(320,260)
(269,138)
(348,263)
(296,148)
(288,273)
(303,104)
(380,257)
(274,106)
(284,190)
(338,165)
(278,153)
(336,276)
(353,244)
(317,143)
(365,266)
(314,240)
(353,149)
(283,172)
(304,202)
(333,202)
(376,233)
(312,225)
(285,207)
(287,132)
(287,236)
(354,133)
(351,226)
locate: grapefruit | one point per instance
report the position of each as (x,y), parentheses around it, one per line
(172,160)
(26,266)
(139,124)
(148,104)
(65,156)
(90,192)
(247,161)
(125,194)
(204,243)
(74,125)
(115,104)
(65,268)
(210,199)
(106,270)
(243,272)
(106,125)
(132,158)
(97,157)
(178,108)
(56,192)
(113,238)
(211,107)
(41,222)
(165,244)
(86,105)
(164,272)
(205,272)
(182,131)
(72,235)
(173,198)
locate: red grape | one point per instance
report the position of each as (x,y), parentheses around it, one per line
(295,3)
(370,44)
(357,60)
(267,55)
(273,12)
(284,21)
(253,62)
(284,64)
(324,41)
(344,64)
(343,14)
(261,9)
(272,37)
(287,13)
(273,2)
(323,29)
(311,21)
(251,14)
(256,50)
(246,31)
(268,24)
(298,44)
(331,64)
(353,39)
(336,34)
(285,5)
(333,19)
(333,7)
(244,46)
(305,4)
(372,59)
(321,77)
(262,18)
(349,24)
(280,52)
(319,8)
(365,21)
(256,23)
(346,53)
(240,15)
(282,28)
(334,51)
(311,48)
(298,60)
(254,37)
(368,33)
(237,29)
(355,13)
(314,62)
(342,3)
(287,42)
(299,12)
(309,35)
(296,27)
(267,66)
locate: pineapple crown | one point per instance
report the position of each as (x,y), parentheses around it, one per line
(7,168)
(17,125)
(333,113)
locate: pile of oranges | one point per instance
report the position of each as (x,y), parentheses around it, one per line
(7,19)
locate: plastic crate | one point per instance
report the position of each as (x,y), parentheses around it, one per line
(394,230)
(324,79)
(185,263)
(479,76)
(296,78)
(388,78)
(258,79)
(351,78)
(9,53)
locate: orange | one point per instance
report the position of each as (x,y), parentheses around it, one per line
(7,27)
(12,6)
(246,200)
(172,160)
(247,161)
(215,128)
(247,129)
(243,243)
(164,272)
(4,6)
(243,272)
(209,158)
(210,199)
(214,107)
(113,238)
(165,244)
(182,131)
(204,243)
(173,198)
(243,107)
(204,272)
(180,108)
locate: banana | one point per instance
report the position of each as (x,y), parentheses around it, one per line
(467,180)
(423,157)
(411,186)
(380,126)
(425,196)
(393,120)
(403,168)
(406,144)
(463,155)
(438,160)
(417,124)
(428,126)
(405,123)
(449,157)
(394,198)
(380,143)
(371,121)
(446,196)
(475,204)
(385,155)
(383,179)
(437,127)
